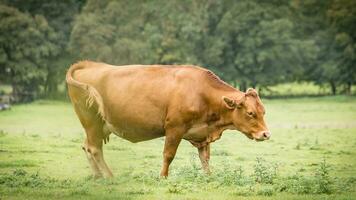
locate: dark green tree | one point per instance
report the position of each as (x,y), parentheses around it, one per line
(331,24)
(258,43)
(25,44)
(59,15)
(247,42)
(128,32)
(342,18)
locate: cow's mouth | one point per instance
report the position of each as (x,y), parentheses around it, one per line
(259,139)
(252,137)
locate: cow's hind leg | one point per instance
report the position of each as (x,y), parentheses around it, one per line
(93,145)
(95,148)
(93,165)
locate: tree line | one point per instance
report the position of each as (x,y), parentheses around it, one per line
(249,43)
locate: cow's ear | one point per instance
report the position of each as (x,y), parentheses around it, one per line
(229,103)
(251,92)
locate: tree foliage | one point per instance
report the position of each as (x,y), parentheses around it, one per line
(24,48)
(256,43)
(43,28)
(249,43)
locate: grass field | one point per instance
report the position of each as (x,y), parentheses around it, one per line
(311,155)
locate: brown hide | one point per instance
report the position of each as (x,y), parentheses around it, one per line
(139,103)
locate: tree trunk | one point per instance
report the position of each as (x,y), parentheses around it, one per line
(15,92)
(243,86)
(50,87)
(254,84)
(14,86)
(333,87)
(348,88)
(260,89)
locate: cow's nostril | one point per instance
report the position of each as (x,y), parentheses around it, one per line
(266,134)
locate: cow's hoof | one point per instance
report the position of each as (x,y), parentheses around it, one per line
(163,177)
(98,176)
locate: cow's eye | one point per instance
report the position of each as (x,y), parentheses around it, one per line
(251,114)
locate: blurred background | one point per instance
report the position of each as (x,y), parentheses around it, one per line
(299,54)
(282,48)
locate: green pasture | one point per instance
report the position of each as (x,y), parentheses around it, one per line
(311,155)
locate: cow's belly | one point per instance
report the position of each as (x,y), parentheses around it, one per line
(137,127)
(134,133)
(138,136)
(134,118)
(135,105)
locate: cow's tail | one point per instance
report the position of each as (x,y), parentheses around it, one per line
(93,96)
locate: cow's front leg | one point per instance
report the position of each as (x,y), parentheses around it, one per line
(173,138)
(204,155)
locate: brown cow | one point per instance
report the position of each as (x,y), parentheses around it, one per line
(139,103)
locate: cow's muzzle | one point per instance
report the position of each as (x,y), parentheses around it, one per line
(263,135)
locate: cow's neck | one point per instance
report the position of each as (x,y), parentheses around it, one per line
(220,117)
(225,114)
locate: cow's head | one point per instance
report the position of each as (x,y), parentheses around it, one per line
(247,115)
